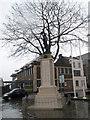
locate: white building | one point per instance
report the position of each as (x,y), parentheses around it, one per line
(79,80)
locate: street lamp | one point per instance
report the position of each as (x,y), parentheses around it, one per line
(82,74)
(74,86)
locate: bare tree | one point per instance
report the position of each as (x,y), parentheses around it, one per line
(43,26)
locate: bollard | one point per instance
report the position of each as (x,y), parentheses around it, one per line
(24,106)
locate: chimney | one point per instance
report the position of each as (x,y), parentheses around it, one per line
(60,55)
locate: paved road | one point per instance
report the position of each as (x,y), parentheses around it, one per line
(13,109)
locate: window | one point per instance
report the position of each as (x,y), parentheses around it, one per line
(69,83)
(66,70)
(55,72)
(31,69)
(56,82)
(25,72)
(62,70)
(76,72)
(77,83)
(74,64)
(38,72)
(38,83)
(69,71)
(65,84)
(59,70)
(79,65)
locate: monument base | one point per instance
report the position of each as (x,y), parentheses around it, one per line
(47,98)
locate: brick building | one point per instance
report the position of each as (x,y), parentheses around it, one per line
(31,72)
(63,68)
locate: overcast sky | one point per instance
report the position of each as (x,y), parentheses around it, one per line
(9,65)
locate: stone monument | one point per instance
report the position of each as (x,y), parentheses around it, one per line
(48,96)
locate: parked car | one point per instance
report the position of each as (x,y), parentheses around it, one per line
(15,93)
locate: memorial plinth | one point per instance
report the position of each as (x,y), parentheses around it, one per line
(48,96)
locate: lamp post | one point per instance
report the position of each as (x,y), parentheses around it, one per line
(74,85)
(82,74)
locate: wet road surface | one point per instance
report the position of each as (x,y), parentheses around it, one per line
(13,109)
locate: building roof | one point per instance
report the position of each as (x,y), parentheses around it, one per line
(14,75)
(63,61)
(35,61)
